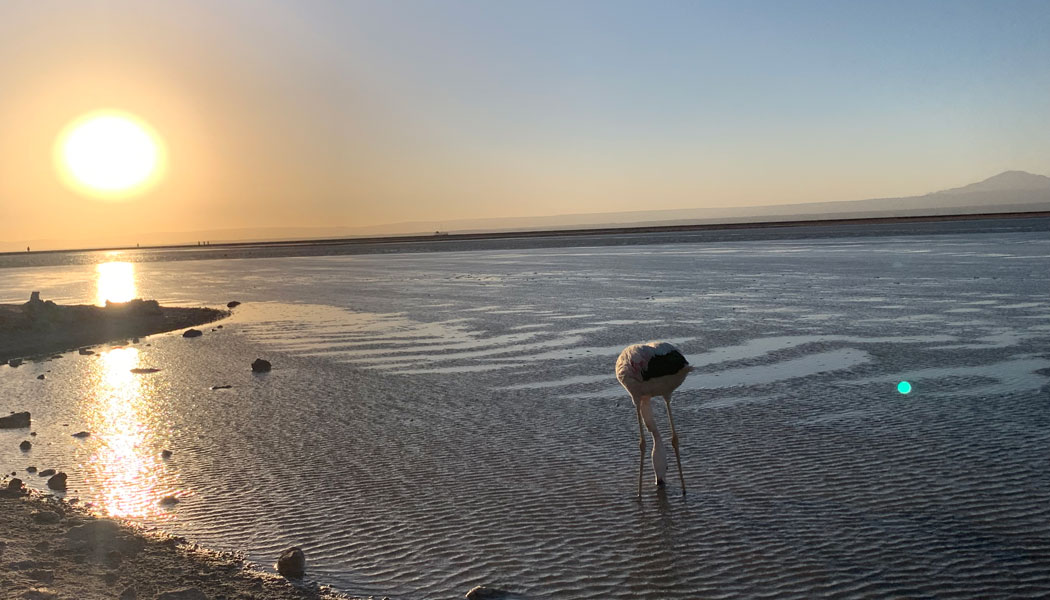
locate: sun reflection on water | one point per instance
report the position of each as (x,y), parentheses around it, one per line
(126,470)
(116,282)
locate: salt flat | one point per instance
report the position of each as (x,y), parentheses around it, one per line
(440,420)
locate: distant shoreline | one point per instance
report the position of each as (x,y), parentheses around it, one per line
(440,237)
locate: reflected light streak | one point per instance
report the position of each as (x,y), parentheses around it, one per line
(116,282)
(126,470)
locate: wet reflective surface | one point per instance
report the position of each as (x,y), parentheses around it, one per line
(438,421)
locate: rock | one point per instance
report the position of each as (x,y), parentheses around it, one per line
(56,356)
(15,487)
(184,594)
(85,351)
(30,469)
(57,482)
(192,333)
(14,362)
(82,434)
(45,517)
(261,366)
(134,340)
(232,304)
(221,387)
(25,445)
(41,376)
(165,454)
(47,473)
(169,501)
(141,370)
(218,326)
(487,593)
(292,563)
(15,421)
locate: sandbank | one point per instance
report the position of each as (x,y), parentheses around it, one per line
(39,328)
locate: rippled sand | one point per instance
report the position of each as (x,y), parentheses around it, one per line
(438,421)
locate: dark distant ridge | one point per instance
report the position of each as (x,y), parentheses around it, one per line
(1007,181)
(1007,192)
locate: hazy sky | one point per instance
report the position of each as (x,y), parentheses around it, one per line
(313,113)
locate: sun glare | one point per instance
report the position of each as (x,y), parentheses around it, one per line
(109,154)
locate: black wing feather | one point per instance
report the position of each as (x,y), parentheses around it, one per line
(664,364)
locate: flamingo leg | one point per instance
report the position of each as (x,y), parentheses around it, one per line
(641,446)
(674,442)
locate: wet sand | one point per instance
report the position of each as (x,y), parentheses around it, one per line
(50,549)
(43,328)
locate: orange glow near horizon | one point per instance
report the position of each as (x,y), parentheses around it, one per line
(110,154)
(116,282)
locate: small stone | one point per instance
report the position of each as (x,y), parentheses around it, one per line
(232,304)
(261,366)
(486,593)
(85,351)
(169,501)
(134,340)
(41,376)
(25,445)
(142,370)
(165,454)
(14,362)
(15,486)
(192,333)
(57,356)
(30,469)
(82,434)
(221,387)
(47,473)
(57,482)
(184,594)
(292,563)
(15,421)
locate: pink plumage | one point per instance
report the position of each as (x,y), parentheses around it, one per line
(647,370)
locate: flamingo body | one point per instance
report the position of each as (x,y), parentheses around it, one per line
(647,370)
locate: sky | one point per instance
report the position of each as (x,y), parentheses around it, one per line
(349,113)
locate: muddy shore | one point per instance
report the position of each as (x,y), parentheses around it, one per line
(38,329)
(51,549)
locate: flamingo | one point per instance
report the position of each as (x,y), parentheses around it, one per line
(647,370)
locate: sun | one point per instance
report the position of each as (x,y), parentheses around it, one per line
(109,154)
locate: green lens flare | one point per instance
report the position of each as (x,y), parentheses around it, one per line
(904,387)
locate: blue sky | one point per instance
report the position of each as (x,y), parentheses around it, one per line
(359,113)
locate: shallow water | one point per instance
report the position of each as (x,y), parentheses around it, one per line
(442,420)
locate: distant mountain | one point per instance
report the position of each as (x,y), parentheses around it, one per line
(1006,182)
(1010,191)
